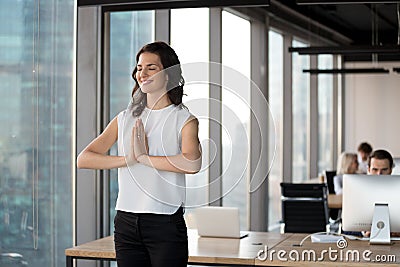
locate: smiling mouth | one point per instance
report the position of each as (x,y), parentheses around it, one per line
(146,82)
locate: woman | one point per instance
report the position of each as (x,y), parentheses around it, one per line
(347,164)
(157,145)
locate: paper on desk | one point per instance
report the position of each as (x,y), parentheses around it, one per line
(324,238)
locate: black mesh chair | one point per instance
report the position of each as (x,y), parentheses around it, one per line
(333,213)
(329,181)
(304,208)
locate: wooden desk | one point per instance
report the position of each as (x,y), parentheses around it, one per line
(336,258)
(334,201)
(233,252)
(100,249)
(202,250)
(228,251)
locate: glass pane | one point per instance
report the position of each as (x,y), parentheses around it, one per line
(325,114)
(301,92)
(193,51)
(235,113)
(275,102)
(36,137)
(129,31)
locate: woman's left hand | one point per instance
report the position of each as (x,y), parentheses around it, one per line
(140,140)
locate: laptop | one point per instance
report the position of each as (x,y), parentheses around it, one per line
(218,222)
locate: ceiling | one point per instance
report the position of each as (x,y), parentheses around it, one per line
(363,24)
(352,23)
(349,26)
(355,23)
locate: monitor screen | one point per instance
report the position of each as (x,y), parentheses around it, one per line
(396,167)
(362,192)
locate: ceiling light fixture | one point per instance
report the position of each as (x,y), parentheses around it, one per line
(319,2)
(153,4)
(343,50)
(347,71)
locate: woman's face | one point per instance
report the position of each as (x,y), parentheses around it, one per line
(148,74)
(354,166)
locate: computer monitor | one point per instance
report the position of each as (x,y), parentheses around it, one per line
(367,201)
(396,167)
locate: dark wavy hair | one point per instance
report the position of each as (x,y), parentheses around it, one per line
(365,147)
(175,84)
(381,154)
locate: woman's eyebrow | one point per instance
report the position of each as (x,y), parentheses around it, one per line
(148,65)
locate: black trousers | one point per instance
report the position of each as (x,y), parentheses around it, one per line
(150,240)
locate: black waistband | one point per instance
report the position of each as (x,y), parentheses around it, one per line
(157,216)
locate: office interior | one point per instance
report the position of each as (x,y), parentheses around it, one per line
(66,71)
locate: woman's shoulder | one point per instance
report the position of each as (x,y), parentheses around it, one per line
(124,116)
(121,114)
(183,110)
(184,115)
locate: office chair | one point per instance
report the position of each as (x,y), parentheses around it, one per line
(304,208)
(329,175)
(334,214)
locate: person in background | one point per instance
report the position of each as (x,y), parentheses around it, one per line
(347,164)
(380,162)
(363,152)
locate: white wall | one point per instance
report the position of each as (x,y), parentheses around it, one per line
(372,108)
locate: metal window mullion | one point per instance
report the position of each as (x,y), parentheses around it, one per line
(312,122)
(74,124)
(215,76)
(162,21)
(87,121)
(258,202)
(335,109)
(103,193)
(287,116)
(341,110)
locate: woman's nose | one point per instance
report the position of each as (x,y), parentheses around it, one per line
(144,73)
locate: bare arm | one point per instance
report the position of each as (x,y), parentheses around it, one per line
(94,155)
(189,161)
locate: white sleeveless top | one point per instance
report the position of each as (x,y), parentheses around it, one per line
(143,189)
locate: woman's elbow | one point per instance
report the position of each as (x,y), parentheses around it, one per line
(192,171)
(80,161)
(195,166)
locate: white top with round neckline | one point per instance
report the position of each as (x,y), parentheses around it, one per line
(143,189)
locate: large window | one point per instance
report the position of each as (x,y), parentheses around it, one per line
(36,138)
(193,52)
(235,113)
(275,101)
(129,31)
(301,95)
(325,114)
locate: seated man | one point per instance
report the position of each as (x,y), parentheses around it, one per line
(380,162)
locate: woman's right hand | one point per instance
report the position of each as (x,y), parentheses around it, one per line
(130,157)
(140,140)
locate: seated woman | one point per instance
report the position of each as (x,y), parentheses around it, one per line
(347,164)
